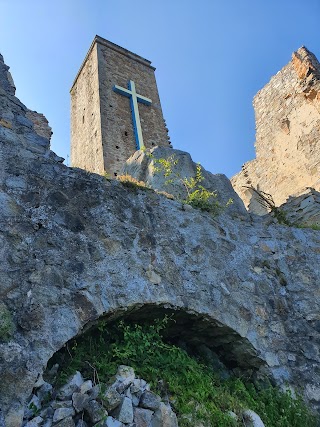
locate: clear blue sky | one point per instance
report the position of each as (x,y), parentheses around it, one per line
(211,56)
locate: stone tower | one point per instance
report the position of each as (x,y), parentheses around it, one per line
(287,112)
(115,109)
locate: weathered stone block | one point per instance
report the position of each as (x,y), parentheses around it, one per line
(111,398)
(164,417)
(143,166)
(124,412)
(142,417)
(150,400)
(73,384)
(61,413)
(95,411)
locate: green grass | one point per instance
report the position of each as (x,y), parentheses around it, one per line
(312,226)
(195,391)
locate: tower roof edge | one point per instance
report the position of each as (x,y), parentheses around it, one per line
(104,42)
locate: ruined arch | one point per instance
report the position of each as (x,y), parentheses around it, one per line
(193,329)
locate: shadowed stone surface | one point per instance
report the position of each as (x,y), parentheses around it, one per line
(75,247)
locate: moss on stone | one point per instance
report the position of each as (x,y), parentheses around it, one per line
(6,323)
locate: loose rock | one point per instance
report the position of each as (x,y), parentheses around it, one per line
(67,422)
(95,411)
(35,422)
(61,413)
(124,412)
(142,417)
(251,419)
(79,401)
(164,417)
(112,422)
(150,400)
(111,398)
(62,404)
(73,384)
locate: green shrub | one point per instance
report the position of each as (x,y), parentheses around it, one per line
(196,194)
(196,393)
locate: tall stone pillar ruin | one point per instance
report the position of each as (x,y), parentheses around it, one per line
(287,112)
(103,133)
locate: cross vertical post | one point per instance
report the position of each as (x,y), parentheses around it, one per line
(134,99)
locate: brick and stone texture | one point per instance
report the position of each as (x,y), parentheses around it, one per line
(86,139)
(102,135)
(287,112)
(76,247)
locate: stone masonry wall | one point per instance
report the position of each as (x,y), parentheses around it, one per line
(117,67)
(40,124)
(304,208)
(75,247)
(102,130)
(287,144)
(86,149)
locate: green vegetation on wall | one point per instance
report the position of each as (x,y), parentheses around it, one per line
(196,393)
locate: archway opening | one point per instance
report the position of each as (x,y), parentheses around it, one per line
(198,334)
(182,385)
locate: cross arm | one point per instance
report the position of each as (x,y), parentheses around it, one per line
(122,91)
(144,100)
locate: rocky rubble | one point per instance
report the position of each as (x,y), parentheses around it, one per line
(125,401)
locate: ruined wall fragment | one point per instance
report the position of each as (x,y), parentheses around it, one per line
(287,112)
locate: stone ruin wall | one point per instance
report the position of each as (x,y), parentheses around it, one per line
(33,120)
(287,112)
(40,124)
(75,247)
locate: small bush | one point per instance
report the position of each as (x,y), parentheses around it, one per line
(196,194)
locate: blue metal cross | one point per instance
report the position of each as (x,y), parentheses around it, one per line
(134,99)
